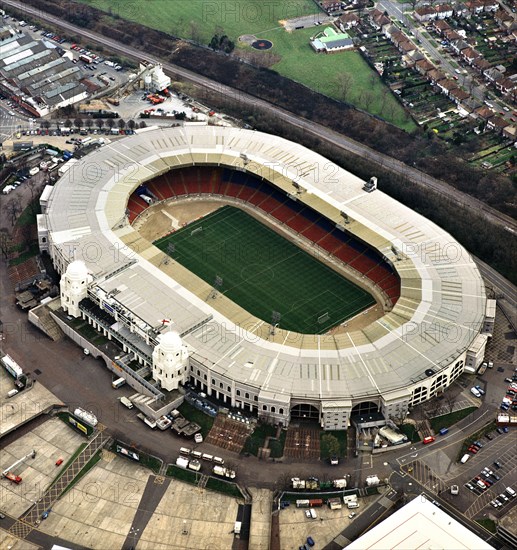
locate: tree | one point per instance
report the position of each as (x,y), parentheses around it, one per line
(6,243)
(344,82)
(367,97)
(121,123)
(99,122)
(194,31)
(131,124)
(143,124)
(110,122)
(14,209)
(68,123)
(32,186)
(89,123)
(78,122)
(331,443)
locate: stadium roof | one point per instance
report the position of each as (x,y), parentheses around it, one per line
(437,317)
(423,525)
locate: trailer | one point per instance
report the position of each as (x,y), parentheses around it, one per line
(12,367)
(298,483)
(334,503)
(339,483)
(8,474)
(86,416)
(223,472)
(146,420)
(182,462)
(316,503)
(303,503)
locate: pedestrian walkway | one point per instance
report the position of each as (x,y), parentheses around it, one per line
(151,498)
(24,525)
(260,526)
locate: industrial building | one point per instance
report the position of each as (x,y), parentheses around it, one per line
(425,336)
(36,75)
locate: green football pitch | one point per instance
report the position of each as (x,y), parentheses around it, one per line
(264,273)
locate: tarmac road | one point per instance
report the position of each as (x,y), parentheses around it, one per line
(385,162)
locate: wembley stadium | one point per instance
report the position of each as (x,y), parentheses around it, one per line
(420,325)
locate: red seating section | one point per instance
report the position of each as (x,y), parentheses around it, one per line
(195,181)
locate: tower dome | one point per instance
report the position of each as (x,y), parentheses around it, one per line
(170,341)
(77,270)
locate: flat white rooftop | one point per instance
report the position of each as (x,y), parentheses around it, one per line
(419,524)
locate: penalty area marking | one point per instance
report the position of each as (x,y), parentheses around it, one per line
(174,222)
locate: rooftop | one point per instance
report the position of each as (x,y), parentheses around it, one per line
(419,524)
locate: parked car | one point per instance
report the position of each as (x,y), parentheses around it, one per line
(475,392)
(480,390)
(497,464)
(499,430)
(310,541)
(455,489)
(473,449)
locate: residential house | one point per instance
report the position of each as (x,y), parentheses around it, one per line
(440,26)
(458,95)
(510,132)
(378,20)
(443,11)
(504,19)
(484,112)
(406,47)
(348,20)
(435,76)
(446,86)
(397,37)
(469,55)
(425,13)
(492,74)
(506,85)
(490,5)
(480,64)
(451,34)
(331,7)
(474,7)
(497,124)
(459,45)
(424,66)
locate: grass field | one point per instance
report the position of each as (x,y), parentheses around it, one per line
(199,20)
(318,71)
(265,273)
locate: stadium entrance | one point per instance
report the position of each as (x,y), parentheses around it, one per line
(305,412)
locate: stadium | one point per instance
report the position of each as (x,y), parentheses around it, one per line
(299,291)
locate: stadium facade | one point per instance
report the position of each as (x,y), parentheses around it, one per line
(129,290)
